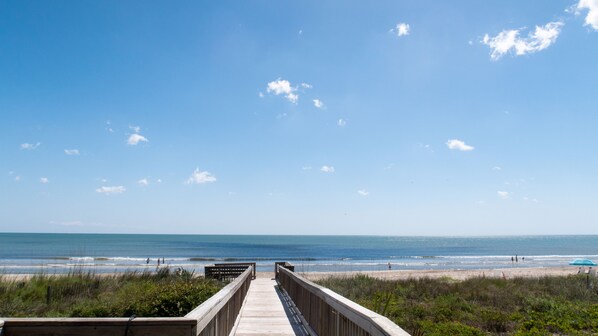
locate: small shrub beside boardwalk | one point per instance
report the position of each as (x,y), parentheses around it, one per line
(79,294)
(478,306)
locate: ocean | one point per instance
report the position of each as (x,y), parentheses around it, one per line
(27,253)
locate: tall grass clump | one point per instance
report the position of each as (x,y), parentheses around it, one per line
(479,306)
(85,294)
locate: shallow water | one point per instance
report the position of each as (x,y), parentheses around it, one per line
(23,253)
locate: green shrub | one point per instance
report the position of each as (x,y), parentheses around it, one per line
(87,295)
(543,306)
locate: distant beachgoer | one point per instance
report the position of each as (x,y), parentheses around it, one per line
(522,259)
(158,261)
(147,261)
(162,260)
(512,260)
(516,260)
(389,266)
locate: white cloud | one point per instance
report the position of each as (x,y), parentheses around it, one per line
(135,129)
(200,177)
(458,145)
(283,87)
(29,146)
(363,192)
(509,41)
(44,180)
(497,168)
(401,29)
(342,123)
(592,7)
(111,190)
(306,168)
(71,151)
(18,178)
(143,182)
(527,199)
(503,194)
(293,98)
(327,169)
(318,103)
(261,94)
(134,139)
(159,181)
(306,86)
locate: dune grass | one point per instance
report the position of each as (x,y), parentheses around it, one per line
(85,294)
(479,306)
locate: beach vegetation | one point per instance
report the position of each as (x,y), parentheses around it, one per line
(479,306)
(85,294)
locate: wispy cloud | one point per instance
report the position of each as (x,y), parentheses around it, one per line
(29,146)
(510,41)
(283,87)
(363,192)
(592,16)
(71,151)
(143,182)
(306,168)
(111,190)
(135,129)
(318,103)
(457,144)
(401,29)
(200,177)
(503,194)
(496,168)
(327,169)
(306,86)
(341,123)
(134,139)
(109,127)
(44,180)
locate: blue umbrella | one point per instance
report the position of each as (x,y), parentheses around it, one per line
(583,262)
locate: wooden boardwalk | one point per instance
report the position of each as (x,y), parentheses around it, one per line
(267,312)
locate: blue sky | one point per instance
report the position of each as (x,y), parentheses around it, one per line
(299,117)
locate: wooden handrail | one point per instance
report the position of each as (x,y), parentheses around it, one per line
(329,313)
(146,326)
(217,315)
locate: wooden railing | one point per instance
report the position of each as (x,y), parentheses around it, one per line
(214,317)
(328,313)
(217,315)
(283,264)
(149,326)
(227,271)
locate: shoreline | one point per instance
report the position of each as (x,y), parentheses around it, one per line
(401,274)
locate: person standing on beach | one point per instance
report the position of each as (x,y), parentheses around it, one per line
(512,260)
(516,260)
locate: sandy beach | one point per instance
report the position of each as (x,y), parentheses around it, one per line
(525,272)
(455,274)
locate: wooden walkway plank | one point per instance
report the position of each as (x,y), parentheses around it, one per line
(266,313)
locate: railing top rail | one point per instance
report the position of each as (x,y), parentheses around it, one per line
(104,321)
(366,319)
(207,310)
